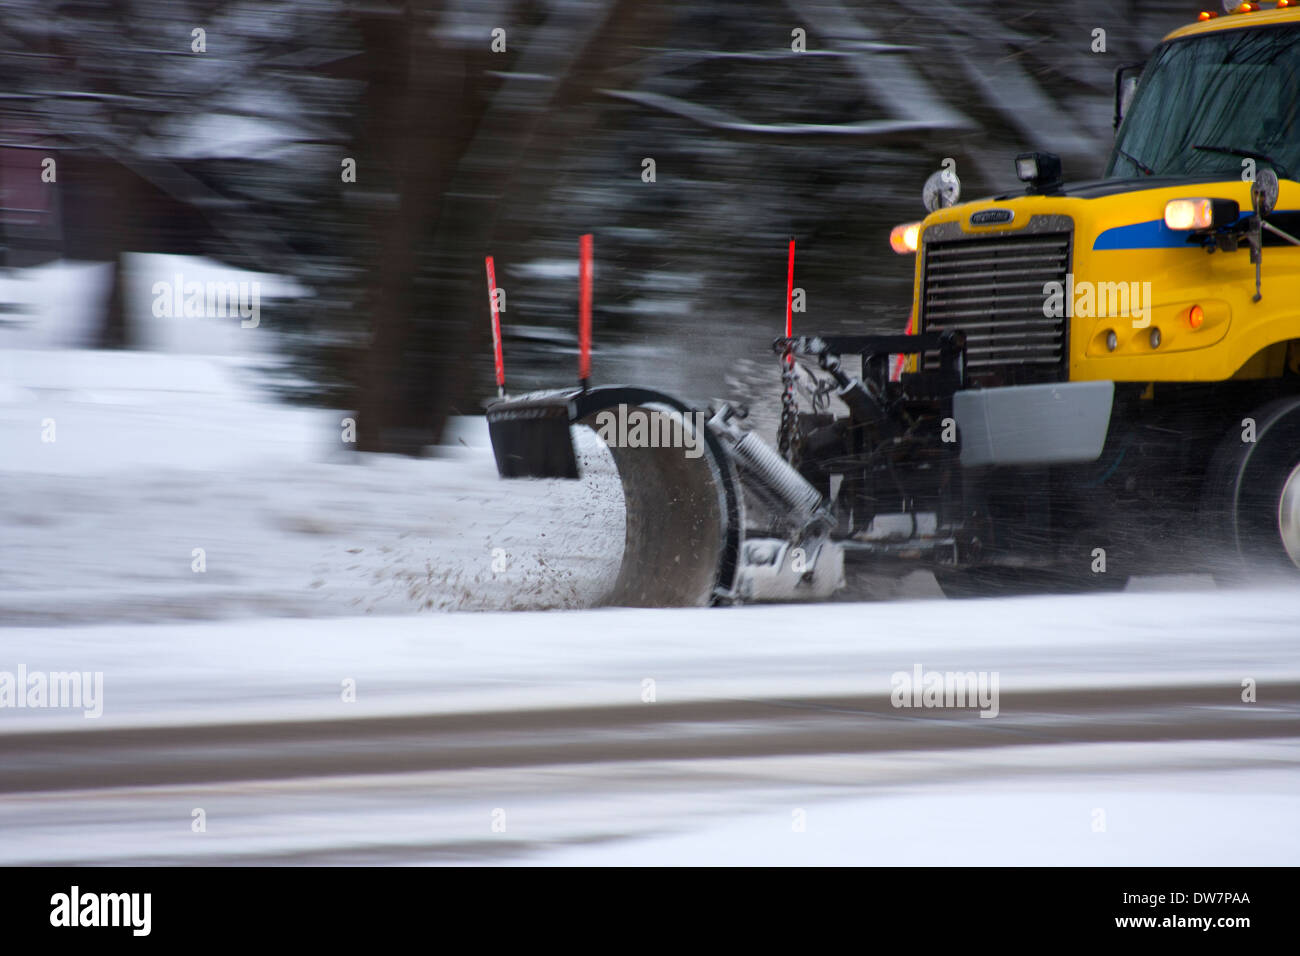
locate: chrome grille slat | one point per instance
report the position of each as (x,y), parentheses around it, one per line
(978,245)
(989,286)
(994,338)
(1040,271)
(941,287)
(942,313)
(965,264)
(1031,324)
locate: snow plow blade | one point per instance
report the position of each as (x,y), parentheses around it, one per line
(683,504)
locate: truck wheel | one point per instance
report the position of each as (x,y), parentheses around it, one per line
(1007,582)
(1251,504)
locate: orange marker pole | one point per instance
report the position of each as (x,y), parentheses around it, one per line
(584,310)
(789,293)
(496,327)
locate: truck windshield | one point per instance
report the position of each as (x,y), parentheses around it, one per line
(1236,90)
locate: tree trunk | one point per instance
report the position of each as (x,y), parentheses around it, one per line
(116,224)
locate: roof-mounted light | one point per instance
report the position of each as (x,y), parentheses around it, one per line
(1042,171)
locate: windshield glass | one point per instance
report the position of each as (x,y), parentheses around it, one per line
(1236,89)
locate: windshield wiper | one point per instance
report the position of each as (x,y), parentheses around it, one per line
(1139,164)
(1247,154)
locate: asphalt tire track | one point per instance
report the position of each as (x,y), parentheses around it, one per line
(278,750)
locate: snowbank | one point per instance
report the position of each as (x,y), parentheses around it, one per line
(160,484)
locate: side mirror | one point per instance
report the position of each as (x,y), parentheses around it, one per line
(1126,91)
(942,189)
(1263,200)
(1263,193)
(1125,88)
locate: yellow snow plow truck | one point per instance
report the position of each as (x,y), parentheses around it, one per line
(1102,378)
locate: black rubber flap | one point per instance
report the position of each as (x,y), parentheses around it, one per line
(530,437)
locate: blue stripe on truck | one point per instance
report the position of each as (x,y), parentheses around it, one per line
(1142,235)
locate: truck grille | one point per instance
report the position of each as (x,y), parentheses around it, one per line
(990,286)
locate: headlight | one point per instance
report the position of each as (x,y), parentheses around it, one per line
(1193,214)
(905,238)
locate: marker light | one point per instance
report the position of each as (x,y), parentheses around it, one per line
(1155,337)
(1196,317)
(1112,341)
(905,238)
(1184,214)
(1207,15)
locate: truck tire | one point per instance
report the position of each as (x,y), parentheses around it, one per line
(1007,582)
(1251,499)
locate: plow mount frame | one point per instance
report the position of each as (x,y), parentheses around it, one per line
(686,534)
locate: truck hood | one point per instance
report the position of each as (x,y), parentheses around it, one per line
(1099,188)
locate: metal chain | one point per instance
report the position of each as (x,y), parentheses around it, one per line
(789,441)
(820,395)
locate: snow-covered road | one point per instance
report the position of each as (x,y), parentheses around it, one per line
(740,735)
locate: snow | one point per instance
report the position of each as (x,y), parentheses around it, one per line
(1048,823)
(157,453)
(800,706)
(514,661)
(102,523)
(59,306)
